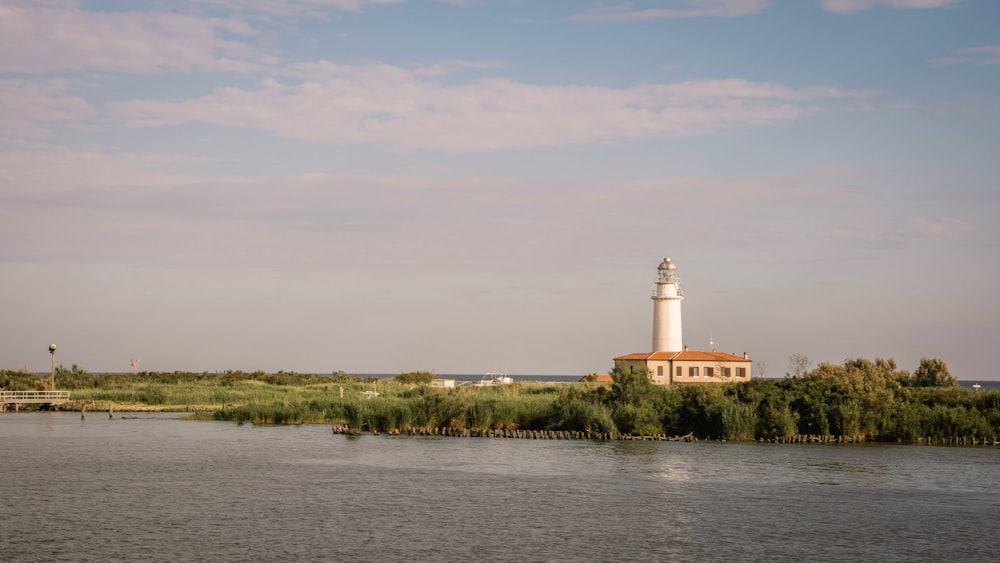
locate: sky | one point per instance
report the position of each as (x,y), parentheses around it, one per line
(460,186)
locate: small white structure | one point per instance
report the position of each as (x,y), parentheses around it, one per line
(443,383)
(494,378)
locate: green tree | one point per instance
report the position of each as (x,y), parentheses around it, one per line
(933,372)
(634,401)
(630,387)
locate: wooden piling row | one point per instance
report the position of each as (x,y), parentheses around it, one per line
(504,433)
(930,441)
(449,432)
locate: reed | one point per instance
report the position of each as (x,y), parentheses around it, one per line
(739,421)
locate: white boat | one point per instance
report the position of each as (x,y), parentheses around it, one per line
(494,378)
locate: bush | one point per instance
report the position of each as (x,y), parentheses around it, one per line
(415,377)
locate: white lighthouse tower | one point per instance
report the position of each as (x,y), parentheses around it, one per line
(667,297)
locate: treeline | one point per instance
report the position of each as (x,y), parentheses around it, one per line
(860,399)
(76,378)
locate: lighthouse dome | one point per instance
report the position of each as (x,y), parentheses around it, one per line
(667,265)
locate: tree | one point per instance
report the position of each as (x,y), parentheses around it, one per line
(798,365)
(634,401)
(630,387)
(720,371)
(933,373)
(761,368)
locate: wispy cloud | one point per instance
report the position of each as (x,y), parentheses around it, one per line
(310,8)
(449,67)
(983,55)
(39,40)
(32,107)
(856,6)
(677,9)
(401,108)
(72,207)
(914,230)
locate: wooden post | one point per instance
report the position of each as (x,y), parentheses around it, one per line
(111,410)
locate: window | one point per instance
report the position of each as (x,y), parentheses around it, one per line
(727,372)
(679,371)
(659,371)
(741,372)
(693,371)
(709,372)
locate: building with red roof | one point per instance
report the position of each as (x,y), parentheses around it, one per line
(672,363)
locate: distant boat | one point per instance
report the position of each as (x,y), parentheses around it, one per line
(494,378)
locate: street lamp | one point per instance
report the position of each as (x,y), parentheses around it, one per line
(52,378)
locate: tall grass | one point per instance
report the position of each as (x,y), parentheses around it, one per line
(739,421)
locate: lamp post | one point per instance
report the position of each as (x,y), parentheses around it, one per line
(52,378)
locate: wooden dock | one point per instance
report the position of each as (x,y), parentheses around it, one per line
(15,399)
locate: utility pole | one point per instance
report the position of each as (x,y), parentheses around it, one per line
(52,378)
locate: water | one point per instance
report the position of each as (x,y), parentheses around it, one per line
(156,488)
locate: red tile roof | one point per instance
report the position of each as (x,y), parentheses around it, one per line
(686,355)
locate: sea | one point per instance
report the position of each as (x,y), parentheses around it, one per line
(155,487)
(971,384)
(984,385)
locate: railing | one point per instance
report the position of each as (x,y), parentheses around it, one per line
(25,397)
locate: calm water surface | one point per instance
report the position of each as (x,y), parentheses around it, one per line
(156,488)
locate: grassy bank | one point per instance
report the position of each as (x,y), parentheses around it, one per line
(860,400)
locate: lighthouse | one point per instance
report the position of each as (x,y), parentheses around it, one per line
(670,362)
(667,297)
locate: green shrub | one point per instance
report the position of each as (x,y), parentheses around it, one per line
(415,377)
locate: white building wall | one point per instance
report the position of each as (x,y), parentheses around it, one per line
(667,327)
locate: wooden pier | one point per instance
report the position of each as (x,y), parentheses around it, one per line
(15,399)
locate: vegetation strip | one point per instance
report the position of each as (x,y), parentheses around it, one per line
(857,401)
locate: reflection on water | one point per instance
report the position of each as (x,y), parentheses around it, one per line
(156,488)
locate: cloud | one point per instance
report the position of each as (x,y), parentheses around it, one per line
(983,55)
(461,2)
(404,109)
(39,40)
(51,172)
(86,207)
(449,67)
(689,9)
(32,107)
(310,8)
(855,6)
(911,231)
